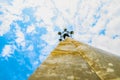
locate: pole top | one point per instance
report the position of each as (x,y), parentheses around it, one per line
(64,34)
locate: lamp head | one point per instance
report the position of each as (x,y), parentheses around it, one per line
(59,33)
(64,34)
(71,32)
(65,29)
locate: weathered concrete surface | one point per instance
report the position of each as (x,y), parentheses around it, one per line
(72,60)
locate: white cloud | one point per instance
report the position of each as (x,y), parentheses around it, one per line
(10,13)
(107,44)
(36,63)
(7,51)
(50,37)
(30,29)
(113,27)
(6,21)
(20,40)
(30,48)
(44,13)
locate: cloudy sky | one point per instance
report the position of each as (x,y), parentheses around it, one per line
(28,28)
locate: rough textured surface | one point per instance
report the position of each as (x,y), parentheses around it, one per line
(72,60)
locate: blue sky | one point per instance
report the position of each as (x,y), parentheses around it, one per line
(28,30)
